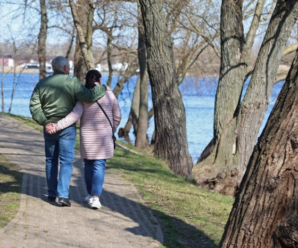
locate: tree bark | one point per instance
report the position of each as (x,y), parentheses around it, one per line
(141,138)
(237,124)
(256,99)
(218,154)
(170,120)
(265,210)
(42,38)
(109,57)
(134,111)
(82,14)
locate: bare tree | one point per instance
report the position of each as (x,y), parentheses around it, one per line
(115,22)
(169,112)
(237,123)
(42,39)
(82,13)
(141,138)
(265,211)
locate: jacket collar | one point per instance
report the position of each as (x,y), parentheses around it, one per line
(58,72)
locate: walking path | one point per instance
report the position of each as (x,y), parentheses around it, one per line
(123,221)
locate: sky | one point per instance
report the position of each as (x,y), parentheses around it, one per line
(23,23)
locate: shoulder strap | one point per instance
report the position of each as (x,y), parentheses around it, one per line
(104,113)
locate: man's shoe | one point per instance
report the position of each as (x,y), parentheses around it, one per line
(51,198)
(64,202)
(95,203)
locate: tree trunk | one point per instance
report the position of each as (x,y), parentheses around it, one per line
(2,81)
(82,14)
(141,139)
(170,120)
(129,72)
(109,57)
(236,126)
(15,80)
(227,99)
(256,99)
(134,111)
(42,38)
(73,34)
(265,210)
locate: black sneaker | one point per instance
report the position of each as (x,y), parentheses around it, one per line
(51,198)
(64,202)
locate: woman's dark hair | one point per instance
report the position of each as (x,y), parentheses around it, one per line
(92,76)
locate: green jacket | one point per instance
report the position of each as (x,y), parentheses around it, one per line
(55,96)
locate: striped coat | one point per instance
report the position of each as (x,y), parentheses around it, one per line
(96,132)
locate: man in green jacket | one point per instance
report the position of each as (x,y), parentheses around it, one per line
(52,99)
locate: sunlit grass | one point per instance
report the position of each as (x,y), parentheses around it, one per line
(190,216)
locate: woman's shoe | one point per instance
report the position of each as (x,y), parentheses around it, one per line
(88,199)
(95,203)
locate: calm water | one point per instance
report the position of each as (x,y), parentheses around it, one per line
(198,98)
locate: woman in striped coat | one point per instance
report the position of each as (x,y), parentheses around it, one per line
(96,143)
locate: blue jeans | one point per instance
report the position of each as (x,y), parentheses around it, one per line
(94,175)
(59,146)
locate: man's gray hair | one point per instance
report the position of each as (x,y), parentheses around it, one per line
(58,63)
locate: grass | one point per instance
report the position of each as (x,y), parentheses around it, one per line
(27,121)
(10,191)
(189,216)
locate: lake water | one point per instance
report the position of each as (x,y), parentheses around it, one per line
(198,98)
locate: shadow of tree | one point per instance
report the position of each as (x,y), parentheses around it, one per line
(172,227)
(10,179)
(189,236)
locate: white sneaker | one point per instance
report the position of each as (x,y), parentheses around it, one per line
(95,203)
(88,199)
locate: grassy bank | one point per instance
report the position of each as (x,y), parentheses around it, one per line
(10,190)
(189,216)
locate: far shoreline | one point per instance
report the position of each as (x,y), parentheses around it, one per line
(18,69)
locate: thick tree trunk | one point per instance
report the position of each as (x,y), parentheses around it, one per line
(236,134)
(256,99)
(82,14)
(265,211)
(170,120)
(219,153)
(42,38)
(141,139)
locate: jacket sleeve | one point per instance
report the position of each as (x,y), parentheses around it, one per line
(71,118)
(88,95)
(36,109)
